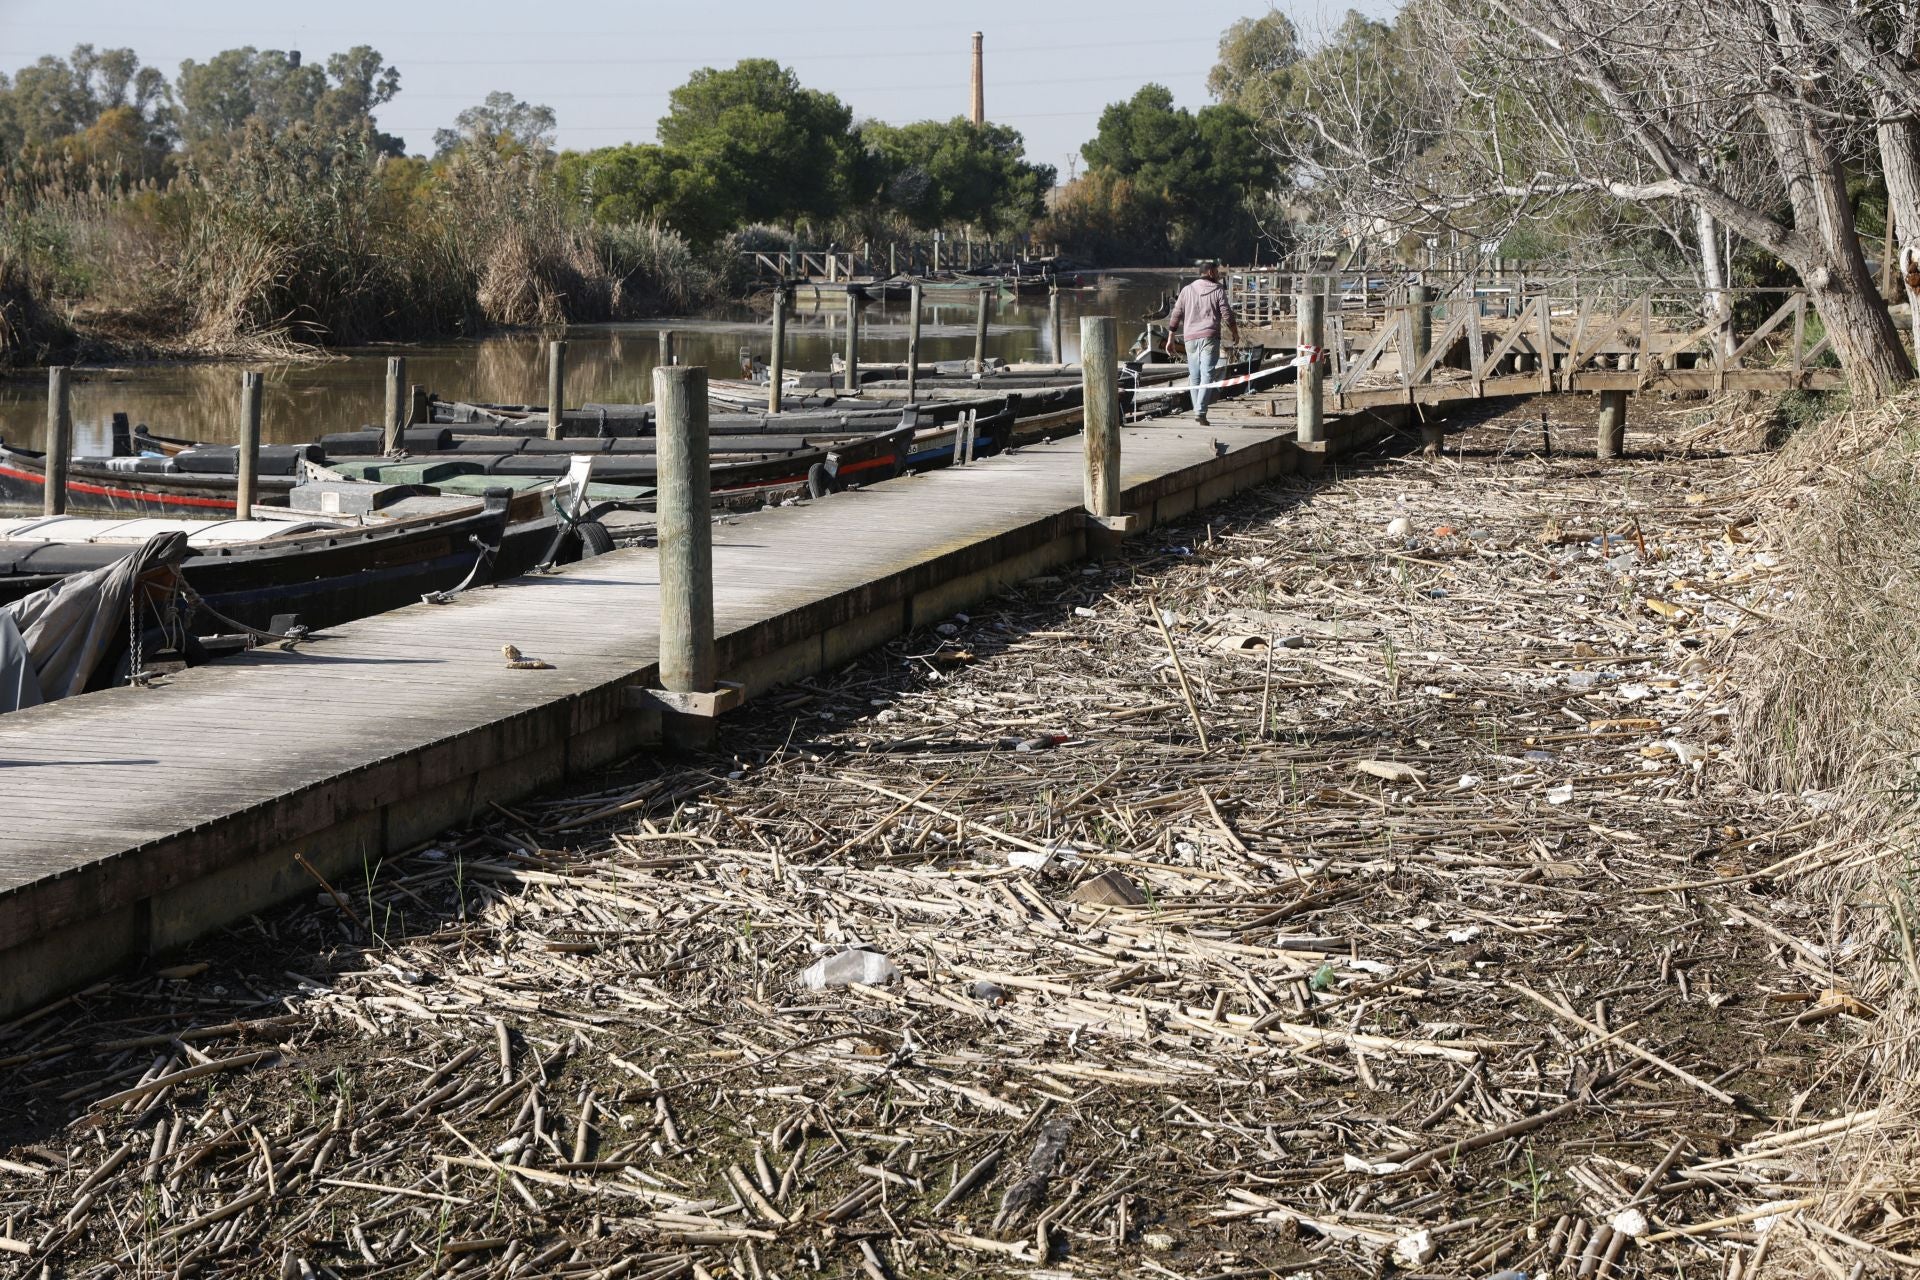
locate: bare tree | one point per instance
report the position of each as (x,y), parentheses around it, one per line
(1728,109)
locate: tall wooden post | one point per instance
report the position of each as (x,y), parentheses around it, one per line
(1310,311)
(1053,322)
(247,491)
(913,340)
(777,362)
(1100,395)
(556,389)
(395,425)
(851,382)
(53,501)
(1420,299)
(936,253)
(1613,424)
(419,411)
(684,519)
(893,258)
(666,348)
(980,336)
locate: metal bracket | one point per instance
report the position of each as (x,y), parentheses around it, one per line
(1132,522)
(705,706)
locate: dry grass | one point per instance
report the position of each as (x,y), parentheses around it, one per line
(1833,710)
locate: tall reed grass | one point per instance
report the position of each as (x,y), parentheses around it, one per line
(305,239)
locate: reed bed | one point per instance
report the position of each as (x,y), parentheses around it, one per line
(1359,879)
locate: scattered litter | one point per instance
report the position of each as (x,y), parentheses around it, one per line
(1110,889)
(1391,771)
(867,967)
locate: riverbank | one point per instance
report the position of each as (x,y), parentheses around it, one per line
(1438,924)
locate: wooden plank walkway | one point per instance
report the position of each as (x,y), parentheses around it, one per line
(114,800)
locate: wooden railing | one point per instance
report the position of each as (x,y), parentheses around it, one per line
(1468,343)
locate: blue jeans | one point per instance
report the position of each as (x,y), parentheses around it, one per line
(1202,355)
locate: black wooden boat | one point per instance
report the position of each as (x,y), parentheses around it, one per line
(326,571)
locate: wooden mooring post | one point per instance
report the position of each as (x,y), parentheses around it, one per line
(1612,439)
(246,491)
(1310,312)
(980,336)
(777,361)
(53,501)
(394,428)
(666,348)
(1053,322)
(1100,393)
(556,389)
(851,382)
(913,340)
(419,405)
(684,517)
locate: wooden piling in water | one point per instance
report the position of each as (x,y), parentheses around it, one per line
(556,388)
(1100,393)
(419,411)
(913,340)
(980,336)
(1053,322)
(1612,439)
(850,383)
(685,522)
(53,501)
(667,358)
(247,491)
(1310,311)
(777,362)
(395,424)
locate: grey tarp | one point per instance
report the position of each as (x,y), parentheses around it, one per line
(19,685)
(69,627)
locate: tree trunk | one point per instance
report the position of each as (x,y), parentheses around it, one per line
(1858,322)
(1826,254)
(1712,272)
(1899,137)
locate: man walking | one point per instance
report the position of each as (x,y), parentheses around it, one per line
(1196,320)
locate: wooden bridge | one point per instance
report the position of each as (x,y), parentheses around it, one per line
(1418,340)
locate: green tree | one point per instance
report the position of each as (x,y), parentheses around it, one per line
(941,172)
(219,97)
(776,150)
(56,102)
(504,123)
(646,183)
(1208,167)
(1257,56)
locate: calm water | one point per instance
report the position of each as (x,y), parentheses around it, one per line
(609,364)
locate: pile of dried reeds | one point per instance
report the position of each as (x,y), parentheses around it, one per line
(1285,895)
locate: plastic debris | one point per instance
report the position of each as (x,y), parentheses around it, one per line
(1399,527)
(867,967)
(1630,1222)
(991,992)
(1415,1248)
(1391,770)
(1110,889)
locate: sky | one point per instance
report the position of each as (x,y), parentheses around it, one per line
(606,66)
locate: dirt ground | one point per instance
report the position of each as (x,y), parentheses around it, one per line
(1349,881)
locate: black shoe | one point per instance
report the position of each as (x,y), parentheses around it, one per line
(1200,419)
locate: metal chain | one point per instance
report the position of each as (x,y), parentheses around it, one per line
(136,666)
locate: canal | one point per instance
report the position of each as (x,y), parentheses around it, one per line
(609,364)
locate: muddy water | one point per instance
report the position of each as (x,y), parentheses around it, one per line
(605,363)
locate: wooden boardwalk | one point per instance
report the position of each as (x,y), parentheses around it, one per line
(137,818)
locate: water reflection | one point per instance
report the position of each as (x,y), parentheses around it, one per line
(605,363)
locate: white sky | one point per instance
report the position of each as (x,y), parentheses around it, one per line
(606,68)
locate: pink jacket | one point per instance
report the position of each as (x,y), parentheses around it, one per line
(1202,309)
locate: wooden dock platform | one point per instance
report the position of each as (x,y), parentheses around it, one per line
(137,819)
